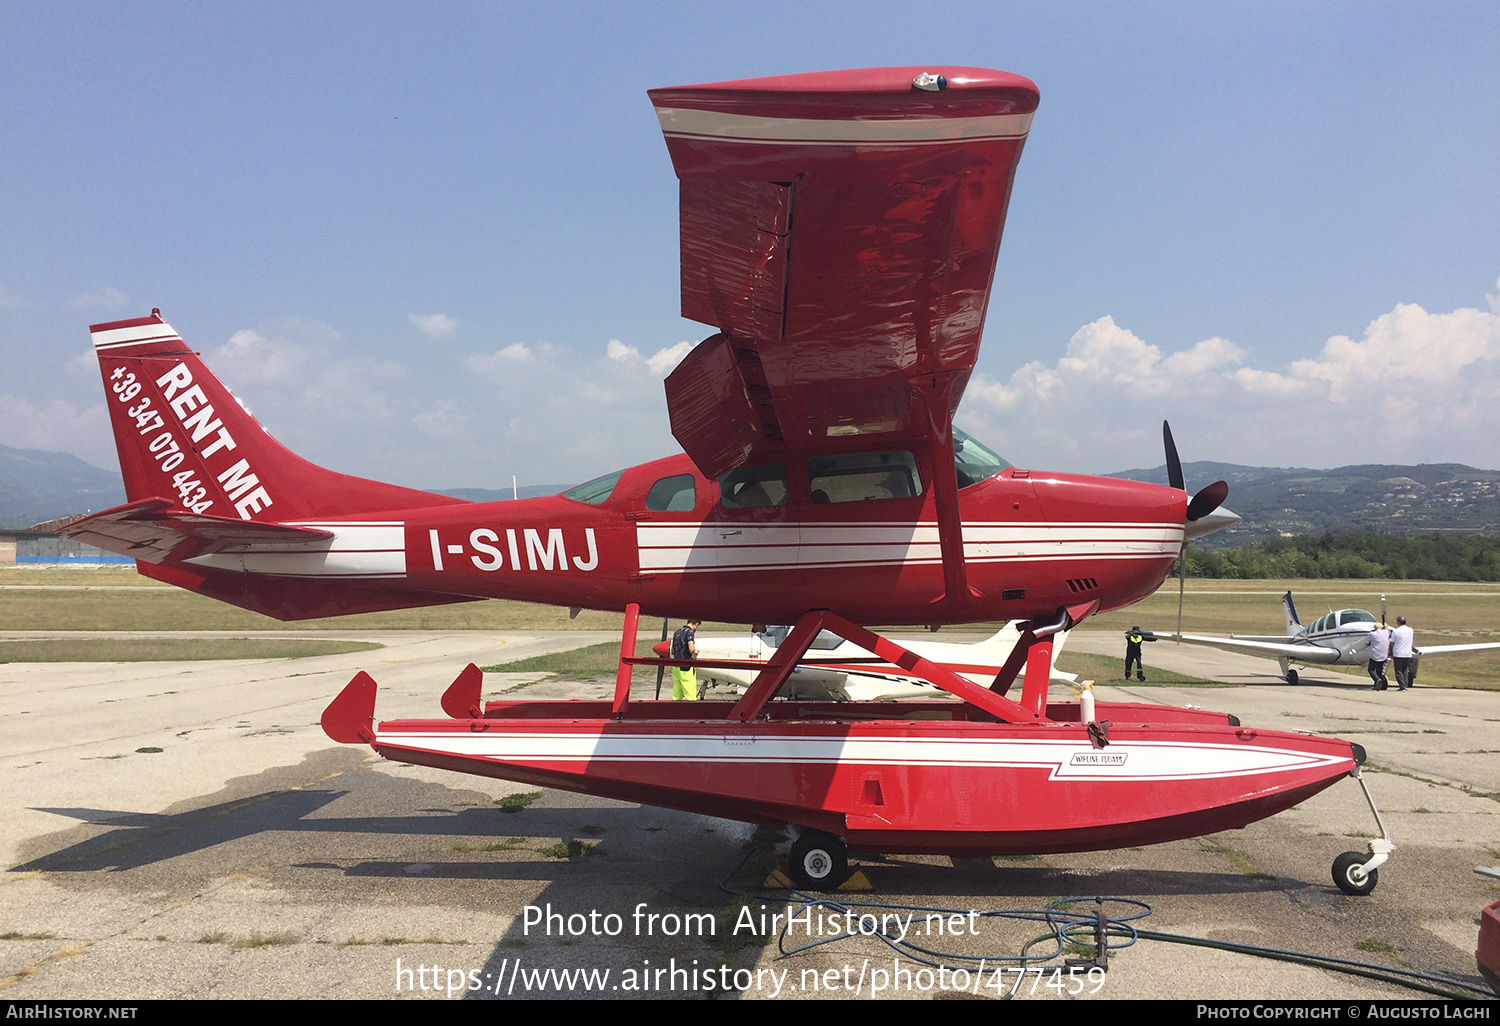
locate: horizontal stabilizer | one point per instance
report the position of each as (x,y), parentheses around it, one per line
(153,529)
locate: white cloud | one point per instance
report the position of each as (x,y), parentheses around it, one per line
(555,415)
(663,361)
(434,326)
(1415,387)
(58,426)
(100,301)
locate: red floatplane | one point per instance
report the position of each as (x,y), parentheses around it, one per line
(839,231)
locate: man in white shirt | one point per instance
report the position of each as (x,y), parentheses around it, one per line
(1380,652)
(1403,652)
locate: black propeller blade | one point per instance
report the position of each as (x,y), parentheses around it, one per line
(1174,465)
(1205,502)
(1208,499)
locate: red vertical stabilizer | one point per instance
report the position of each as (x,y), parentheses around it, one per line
(183,436)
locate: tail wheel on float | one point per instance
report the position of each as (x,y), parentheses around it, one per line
(1348,873)
(819,861)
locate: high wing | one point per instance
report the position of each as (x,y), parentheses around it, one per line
(840,231)
(1302,653)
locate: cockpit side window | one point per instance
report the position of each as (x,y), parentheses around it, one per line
(672,495)
(748,487)
(857,477)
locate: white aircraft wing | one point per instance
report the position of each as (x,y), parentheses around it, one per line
(1430,650)
(1303,653)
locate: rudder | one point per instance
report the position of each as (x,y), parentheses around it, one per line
(1293,625)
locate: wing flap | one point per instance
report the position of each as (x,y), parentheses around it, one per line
(155,529)
(734,243)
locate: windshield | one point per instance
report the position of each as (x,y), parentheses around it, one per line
(974,462)
(596,491)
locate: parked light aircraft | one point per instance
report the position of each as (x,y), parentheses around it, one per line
(843,672)
(840,232)
(1342,638)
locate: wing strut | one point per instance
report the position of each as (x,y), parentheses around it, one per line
(627,649)
(935,395)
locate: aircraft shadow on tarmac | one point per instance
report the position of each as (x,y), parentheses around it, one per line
(1339,682)
(134,840)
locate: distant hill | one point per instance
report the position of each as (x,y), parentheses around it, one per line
(37,486)
(1374,498)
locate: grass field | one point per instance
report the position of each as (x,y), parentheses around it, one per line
(140,650)
(590,661)
(1107,670)
(1441,612)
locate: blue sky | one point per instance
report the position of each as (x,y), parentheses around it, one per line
(437,243)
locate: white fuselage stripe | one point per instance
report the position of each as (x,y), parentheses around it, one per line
(714,547)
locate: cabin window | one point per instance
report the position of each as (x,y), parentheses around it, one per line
(596,491)
(748,487)
(859,477)
(672,495)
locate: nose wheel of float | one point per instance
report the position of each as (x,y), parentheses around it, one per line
(1354,872)
(1350,875)
(819,861)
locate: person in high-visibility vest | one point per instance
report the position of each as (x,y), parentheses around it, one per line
(685,646)
(1133,639)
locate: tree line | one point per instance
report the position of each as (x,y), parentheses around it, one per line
(1432,558)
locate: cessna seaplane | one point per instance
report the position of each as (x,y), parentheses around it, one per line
(1342,638)
(839,232)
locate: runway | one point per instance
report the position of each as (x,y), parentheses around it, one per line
(251,857)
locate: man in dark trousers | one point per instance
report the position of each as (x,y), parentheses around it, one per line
(1403,654)
(1133,639)
(685,646)
(1380,652)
